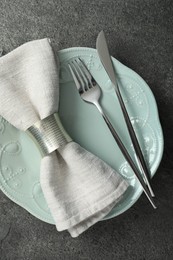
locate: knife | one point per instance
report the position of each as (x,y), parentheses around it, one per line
(106,61)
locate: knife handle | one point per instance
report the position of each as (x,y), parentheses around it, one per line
(134,140)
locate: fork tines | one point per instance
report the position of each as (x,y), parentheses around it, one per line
(81,75)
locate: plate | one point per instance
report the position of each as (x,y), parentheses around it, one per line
(20,159)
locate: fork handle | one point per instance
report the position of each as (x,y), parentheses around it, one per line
(126,154)
(135,142)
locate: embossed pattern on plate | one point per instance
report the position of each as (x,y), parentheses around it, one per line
(20,159)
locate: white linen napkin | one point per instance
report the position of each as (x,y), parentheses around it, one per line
(80,189)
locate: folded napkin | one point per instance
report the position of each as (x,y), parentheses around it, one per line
(80,189)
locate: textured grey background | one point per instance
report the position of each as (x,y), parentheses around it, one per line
(140,35)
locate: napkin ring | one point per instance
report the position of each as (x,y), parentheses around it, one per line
(49,134)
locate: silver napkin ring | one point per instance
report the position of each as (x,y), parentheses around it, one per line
(49,134)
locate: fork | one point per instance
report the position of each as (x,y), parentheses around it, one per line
(90,92)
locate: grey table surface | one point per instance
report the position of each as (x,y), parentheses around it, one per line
(140,35)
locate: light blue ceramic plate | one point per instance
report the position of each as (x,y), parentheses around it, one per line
(20,159)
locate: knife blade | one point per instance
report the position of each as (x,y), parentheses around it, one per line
(105,58)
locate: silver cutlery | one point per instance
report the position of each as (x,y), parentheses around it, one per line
(90,92)
(105,58)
